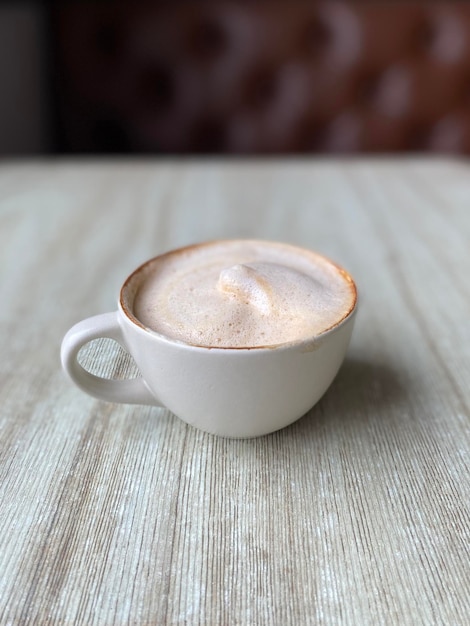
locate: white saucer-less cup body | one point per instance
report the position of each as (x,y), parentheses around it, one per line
(232,392)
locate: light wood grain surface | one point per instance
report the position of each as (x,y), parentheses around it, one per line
(123,515)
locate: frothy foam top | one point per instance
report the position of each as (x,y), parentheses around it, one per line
(242,294)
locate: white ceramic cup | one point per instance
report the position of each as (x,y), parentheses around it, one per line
(232,392)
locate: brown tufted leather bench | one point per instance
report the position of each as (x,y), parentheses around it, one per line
(264,77)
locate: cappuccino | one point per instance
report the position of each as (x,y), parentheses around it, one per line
(242,294)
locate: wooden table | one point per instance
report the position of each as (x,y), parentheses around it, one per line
(123,515)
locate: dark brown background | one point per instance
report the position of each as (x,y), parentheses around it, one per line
(217,77)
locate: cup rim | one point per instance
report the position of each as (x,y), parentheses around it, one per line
(126,309)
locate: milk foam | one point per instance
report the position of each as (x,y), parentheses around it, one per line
(242,294)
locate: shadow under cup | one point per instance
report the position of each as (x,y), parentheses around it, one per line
(231,392)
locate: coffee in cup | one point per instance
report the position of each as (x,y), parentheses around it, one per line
(242,294)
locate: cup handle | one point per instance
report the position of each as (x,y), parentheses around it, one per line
(129,391)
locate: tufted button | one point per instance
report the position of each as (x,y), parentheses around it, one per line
(340,32)
(316,37)
(242,134)
(312,135)
(417,137)
(208,135)
(340,134)
(163,105)
(381,133)
(208,38)
(447,135)
(463,92)
(344,133)
(389,91)
(262,88)
(441,35)
(156,87)
(423,36)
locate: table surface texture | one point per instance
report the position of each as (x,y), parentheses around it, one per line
(357,514)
